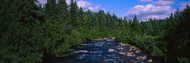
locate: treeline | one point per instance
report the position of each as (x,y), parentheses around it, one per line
(166,40)
(31,33)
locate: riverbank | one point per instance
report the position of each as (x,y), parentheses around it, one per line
(104,51)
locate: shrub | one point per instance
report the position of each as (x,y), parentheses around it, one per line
(182,60)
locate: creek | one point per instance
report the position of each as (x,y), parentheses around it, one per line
(105,51)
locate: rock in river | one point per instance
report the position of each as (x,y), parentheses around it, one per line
(104,51)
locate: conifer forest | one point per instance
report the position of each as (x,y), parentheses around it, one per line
(32,33)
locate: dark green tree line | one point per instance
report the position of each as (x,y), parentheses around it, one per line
(31,33)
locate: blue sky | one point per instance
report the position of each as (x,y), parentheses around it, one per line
(119,7)
(144,9)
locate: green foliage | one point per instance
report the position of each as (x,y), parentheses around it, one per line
(134,25)
(32,34)
(145,42)
(74,20)
(50,9)
(124,36)
(182,60)
(177,35)
(156,51)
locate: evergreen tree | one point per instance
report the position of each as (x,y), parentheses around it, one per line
(135,23)
(29,11)
(182,34)
(81,17)
(63,14)
(150,27)
(74,15)
(108,21)
(32,34)
(63,10)
(126,23)
(101,18)
(89,20)
(15,47)
(50,9)
(114,20)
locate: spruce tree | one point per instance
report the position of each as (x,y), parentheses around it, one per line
(135,23)
(50,9)
(63,10)
(73,15)
(29,11)
(81,17)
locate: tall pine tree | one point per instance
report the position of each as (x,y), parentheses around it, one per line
(135,23)
(74,22)
(50,9)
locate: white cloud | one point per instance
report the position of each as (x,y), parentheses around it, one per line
(143,1)
(88,6)
(69,2)
(83,4)
(95,8)
(183,4)
(162,2)
(159,2)
(149,11)
(43,2)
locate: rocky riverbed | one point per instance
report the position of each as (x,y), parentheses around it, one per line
(106,51)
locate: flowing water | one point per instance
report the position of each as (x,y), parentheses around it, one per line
(98,52)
